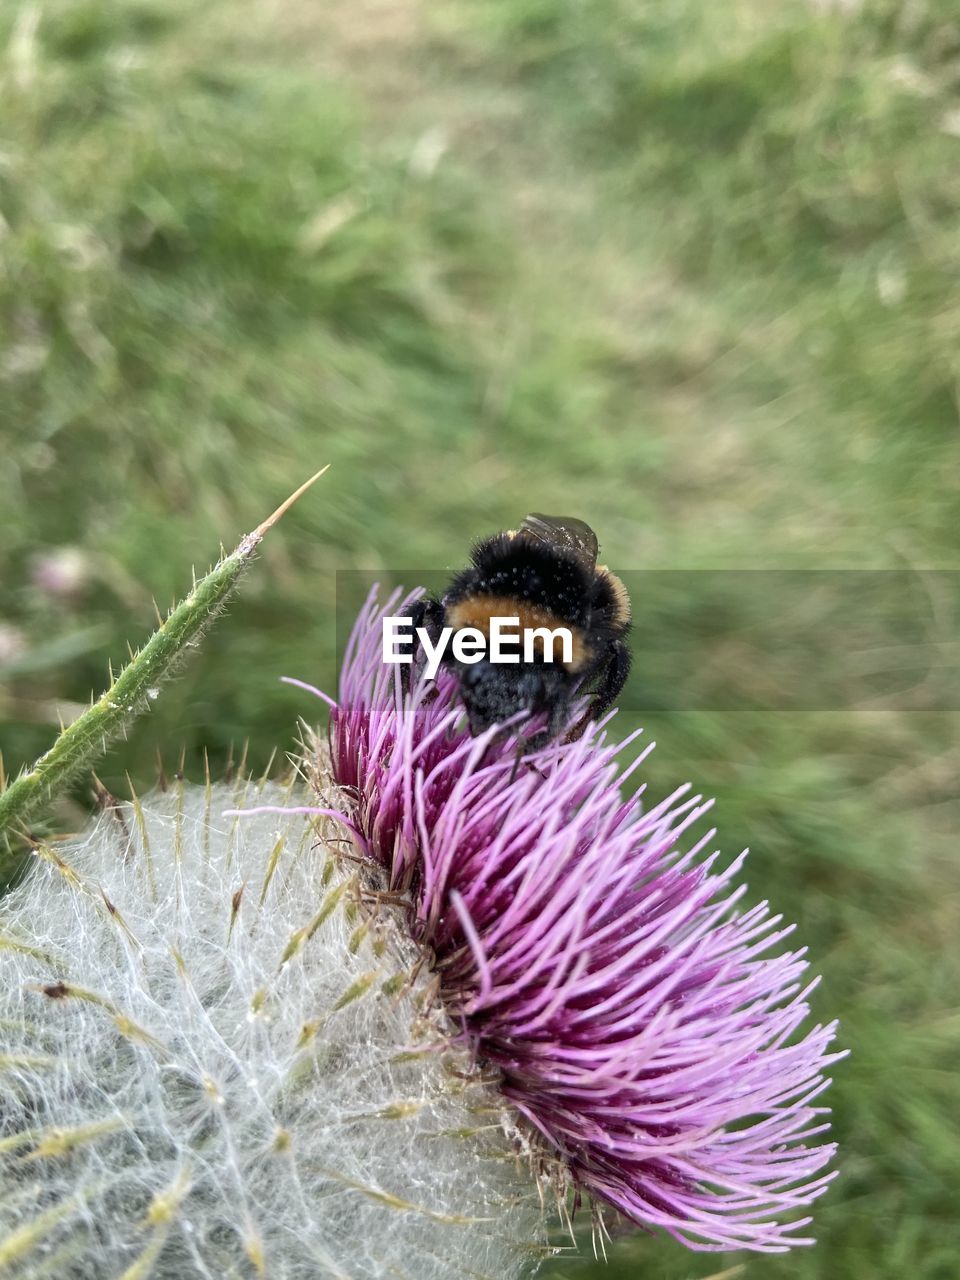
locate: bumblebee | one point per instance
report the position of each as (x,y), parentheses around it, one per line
(544,574)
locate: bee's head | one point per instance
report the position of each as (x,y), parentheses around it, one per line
(493,692)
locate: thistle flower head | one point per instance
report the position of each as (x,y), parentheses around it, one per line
(646,1026)
(61,572)
(229,1047)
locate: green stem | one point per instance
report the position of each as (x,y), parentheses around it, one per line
(80,745)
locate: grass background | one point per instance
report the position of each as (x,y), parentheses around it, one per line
(689,271)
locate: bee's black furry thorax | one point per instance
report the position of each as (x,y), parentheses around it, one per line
(528,571)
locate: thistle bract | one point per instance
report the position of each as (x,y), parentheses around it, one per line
(645,1027)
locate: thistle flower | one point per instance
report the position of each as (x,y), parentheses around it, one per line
(642,1024)
(227,1049)
(62,572)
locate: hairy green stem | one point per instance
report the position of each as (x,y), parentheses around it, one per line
(80,745)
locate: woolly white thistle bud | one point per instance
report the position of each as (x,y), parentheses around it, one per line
(222,1056)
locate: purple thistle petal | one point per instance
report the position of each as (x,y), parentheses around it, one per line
(640,1024)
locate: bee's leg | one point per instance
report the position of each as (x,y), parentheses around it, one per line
(612,678)
(557,712)
(417,614)
(427,613)
(521,757)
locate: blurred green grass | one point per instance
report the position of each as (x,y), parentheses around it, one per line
(687,271)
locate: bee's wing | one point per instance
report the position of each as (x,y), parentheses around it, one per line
(564,531)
